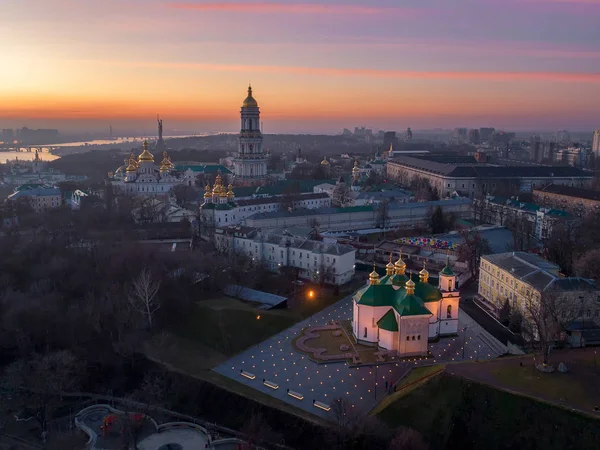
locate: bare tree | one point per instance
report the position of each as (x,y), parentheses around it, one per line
(144,296)
(407,439)
(258,432)
(473,248)
(342,195)
(545,318)
(383,214)
(40,378)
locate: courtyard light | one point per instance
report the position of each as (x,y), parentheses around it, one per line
(311,294)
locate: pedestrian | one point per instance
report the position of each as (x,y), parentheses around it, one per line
(386,385)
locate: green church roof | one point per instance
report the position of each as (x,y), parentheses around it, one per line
(447,271)
(427,292)
(411,305)
(388,321)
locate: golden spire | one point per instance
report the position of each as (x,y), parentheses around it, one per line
(389,268)
(324,162)
(410,286)
(373,276)
(400,265)
(250,102)
(145,156)
(218,187)
(166,164)
(424,274)
(207,193)
(230,194)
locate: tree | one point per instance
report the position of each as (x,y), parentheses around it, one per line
(40,378)
(258,432)
(587,265)
(545,318)
(560,246)
(407,439)
(342,195)
(505,313)
(289,195)
(437,222)
(473,248)
(383,215)
(184,194)
(144,296)
(521,229)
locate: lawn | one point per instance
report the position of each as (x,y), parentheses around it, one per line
(452,412)
(415,378)
(229,326)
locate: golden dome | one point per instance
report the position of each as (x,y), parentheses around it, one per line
(424,274)
(230,193)
(324,162)
(374,276)
(166,163)
(410,286)
(146,156)
(250,102)
(132,167)
(389,267)
(207,192)
(400,265)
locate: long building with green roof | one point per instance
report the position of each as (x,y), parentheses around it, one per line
(400,315)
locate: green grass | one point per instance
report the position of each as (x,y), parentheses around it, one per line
(229,326)
(556,387)
(452,412)
(415,378)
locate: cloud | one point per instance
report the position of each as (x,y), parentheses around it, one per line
(580,77)
(288,8)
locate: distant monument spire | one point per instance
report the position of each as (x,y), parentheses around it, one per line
(160,143)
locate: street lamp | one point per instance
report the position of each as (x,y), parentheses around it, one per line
(464,340)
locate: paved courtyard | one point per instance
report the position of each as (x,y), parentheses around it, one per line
(275,361)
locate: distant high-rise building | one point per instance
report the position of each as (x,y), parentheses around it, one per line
(250,164)
(486,134)
(460,135)
(537,150)
(8,135)
(408,134)
(563,137)
(389,138)
(474,137)
(596,143)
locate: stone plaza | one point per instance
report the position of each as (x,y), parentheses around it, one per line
(275,368)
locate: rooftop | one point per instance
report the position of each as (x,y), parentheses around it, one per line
(488,171)
(539,273)
(588,194)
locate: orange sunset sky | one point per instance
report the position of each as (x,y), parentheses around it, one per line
(315,66)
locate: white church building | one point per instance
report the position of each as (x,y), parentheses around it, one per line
(400,315)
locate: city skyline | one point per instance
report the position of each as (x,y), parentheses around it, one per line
(315,67)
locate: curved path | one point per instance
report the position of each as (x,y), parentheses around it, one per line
(172,436)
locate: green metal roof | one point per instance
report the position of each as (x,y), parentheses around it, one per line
(388,295)
(447,271)
(427,292)
(411,305)
(388,321)
(376,295)
(204,168)
(397,280)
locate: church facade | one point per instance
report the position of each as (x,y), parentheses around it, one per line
(143,176)
(400,315)
(250,163)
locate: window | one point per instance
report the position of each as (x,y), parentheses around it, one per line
(449,285)
(449,312)
(408,338)
(413,338)
(365,331)
(588,313)
(373,322)
(419,337)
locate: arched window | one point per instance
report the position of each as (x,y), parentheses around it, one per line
(450,284)
(365,331)
(408,338)
(413,338)
(449,312)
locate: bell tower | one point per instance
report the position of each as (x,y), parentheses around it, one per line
(250,164)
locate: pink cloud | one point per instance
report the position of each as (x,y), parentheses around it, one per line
(580,77)
(292,8)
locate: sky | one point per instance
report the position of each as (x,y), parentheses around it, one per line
(314,66)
